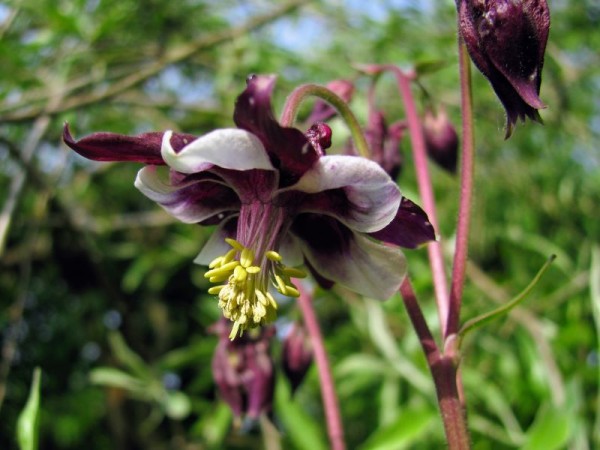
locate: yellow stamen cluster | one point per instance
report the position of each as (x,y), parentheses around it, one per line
(245,299)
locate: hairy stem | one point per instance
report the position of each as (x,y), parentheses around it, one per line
(444,368)
(436,257)
(335,429)
(466,193)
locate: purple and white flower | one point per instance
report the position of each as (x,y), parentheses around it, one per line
(279,203)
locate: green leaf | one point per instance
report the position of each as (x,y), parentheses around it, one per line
(109,376)
(128,357)
(550,430)
(214,425)
(301,428)
(409,427)
(479,321)
(28,422)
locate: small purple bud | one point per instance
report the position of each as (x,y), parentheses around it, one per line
(506,40)
(243,370)
(296,356)
(383,139)
(319,135)
(322,111)
(441,139)
(258,377)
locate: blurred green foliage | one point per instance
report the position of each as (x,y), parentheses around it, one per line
(98,286)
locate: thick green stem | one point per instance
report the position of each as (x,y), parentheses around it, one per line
(293,102)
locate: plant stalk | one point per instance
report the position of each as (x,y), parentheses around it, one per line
(466,193)
(335,429)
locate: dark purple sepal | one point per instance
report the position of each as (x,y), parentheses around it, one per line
(409,229)
(143,148)
(289,150)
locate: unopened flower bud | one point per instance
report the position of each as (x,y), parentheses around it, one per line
(243,371)
(506,40)
(319,135)
(296,356)
(441,139)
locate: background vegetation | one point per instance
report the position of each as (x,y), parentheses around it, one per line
(97,287)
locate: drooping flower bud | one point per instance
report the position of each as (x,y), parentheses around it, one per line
(441,139)
(506,40)
(322,111)
(319,136)
(244,371)
(383,139)
(384,142)
(297,355)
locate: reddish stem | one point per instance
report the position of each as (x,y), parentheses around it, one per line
(443,369)
(436,257)
(335,429)
(466,191)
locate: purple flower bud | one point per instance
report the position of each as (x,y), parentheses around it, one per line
(507,40)
(383,139)
(441,139)
(243,370)
(296,356)
(322,111)
(319,136)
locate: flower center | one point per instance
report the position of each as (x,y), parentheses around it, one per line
(244,272)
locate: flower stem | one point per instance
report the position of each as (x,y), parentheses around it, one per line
(436,257)
(294,100)
(466,192)
(443,369)
(335,429)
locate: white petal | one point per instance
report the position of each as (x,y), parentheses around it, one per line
(372,197)
(366,267)
(229,148)
(174,200)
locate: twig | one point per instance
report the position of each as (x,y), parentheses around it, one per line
(141,74)
(18,182)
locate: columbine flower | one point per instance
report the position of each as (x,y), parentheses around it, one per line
(507,40)
(278,203)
